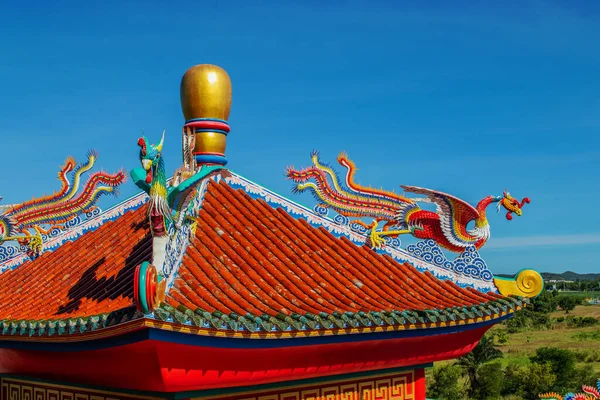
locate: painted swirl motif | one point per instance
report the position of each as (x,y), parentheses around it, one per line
(469,263)
(529,282)
(358,228)
(340,219)
(393,242)
(321,209)
(8,252)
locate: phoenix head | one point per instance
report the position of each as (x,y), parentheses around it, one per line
(512,205)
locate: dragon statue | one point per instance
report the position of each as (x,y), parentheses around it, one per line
(402,215)
(24,222)
(154,166)
(165,197)
(589,393)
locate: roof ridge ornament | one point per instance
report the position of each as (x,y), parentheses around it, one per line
(402,215)
(205,94)
(25,222)
(205,101)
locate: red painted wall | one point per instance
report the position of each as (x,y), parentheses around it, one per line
(168,367)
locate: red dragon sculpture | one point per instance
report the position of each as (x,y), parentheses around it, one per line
(402,215)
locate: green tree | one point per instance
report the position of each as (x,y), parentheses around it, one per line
(567,303)
(583,376)
(502,336)
(544,303)
(561,363)
(446,383)
(472,362)
(514,380)
(538,379)
(489,381)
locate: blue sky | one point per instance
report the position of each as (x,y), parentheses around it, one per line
(470,99)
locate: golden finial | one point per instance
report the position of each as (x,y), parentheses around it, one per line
(206,102)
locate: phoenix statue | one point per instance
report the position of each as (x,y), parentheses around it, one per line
(448,225)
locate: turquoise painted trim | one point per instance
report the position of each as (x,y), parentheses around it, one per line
(210,158)
(138,176)
(61,327)
(205,170)
(142,286)
(207,119)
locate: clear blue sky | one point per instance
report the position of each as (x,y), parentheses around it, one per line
(469,100)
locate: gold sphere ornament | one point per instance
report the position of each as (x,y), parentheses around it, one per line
(206,101)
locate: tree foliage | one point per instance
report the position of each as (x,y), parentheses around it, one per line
(561,363)
(539,378)
(446,383)
(567,303)
(489,381)
(471,363)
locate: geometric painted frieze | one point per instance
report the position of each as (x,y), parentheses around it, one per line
(395,386)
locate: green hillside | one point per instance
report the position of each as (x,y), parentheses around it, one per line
(570,276)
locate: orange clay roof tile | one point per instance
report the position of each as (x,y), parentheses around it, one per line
(247,257)
(81,278)
(250,258)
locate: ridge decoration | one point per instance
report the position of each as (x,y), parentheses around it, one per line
(173,204)
(468,263)
(447,226)
(525,283)
(589,393)
(30,222)
(166,198)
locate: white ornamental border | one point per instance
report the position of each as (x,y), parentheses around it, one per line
(180,239)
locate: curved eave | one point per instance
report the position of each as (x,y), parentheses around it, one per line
(145,328)
(167,358)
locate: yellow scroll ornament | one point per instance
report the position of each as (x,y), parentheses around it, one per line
(526,283)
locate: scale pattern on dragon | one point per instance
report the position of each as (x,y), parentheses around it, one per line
(402,215)
(25,222)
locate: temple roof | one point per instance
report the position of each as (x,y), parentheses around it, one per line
(255,262)
(88,279)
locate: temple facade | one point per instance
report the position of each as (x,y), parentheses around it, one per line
(207,285)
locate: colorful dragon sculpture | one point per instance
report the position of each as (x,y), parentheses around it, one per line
(402,215)
(24,222)
(589,393)
(152,178)
(156,177)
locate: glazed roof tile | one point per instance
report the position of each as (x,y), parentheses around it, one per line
(249,266)
(90,276)
(249,261)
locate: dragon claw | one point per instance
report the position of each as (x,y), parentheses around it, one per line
(376,239)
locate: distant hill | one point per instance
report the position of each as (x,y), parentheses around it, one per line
(570,276)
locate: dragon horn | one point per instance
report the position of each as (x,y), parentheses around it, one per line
(162,140)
